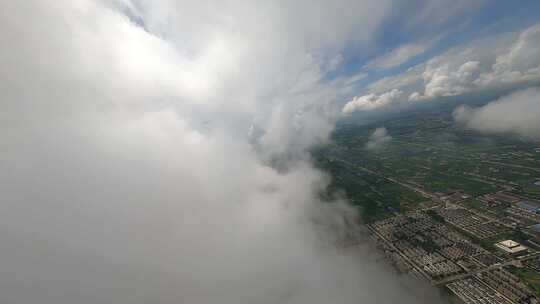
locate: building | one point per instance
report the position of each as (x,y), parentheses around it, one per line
(504,197)
(449,197)
(511,247)
(529,206)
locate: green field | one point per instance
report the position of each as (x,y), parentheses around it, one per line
(428,151)
(530,277)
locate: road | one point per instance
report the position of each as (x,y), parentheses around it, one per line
(492,267)
(510,165)
(413,188)
(431,196)
(467,159)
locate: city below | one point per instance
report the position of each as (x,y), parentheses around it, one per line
(457,209)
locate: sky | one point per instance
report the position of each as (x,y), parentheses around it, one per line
(491,49)
(158,151)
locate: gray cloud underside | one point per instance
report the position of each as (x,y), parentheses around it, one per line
(128,174)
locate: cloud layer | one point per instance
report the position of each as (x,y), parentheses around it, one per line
(508,61)
(129,174)
(517,113)
(372,101)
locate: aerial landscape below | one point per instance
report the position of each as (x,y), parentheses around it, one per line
(454,207)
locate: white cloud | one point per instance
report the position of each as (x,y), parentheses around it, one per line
(521,63)
(448,81)
(503,61)
(126,172)
(355,78)
(378,139)
(435,13)
(409,80)
(372,101)
(400,55)
(516,113)
(458,74)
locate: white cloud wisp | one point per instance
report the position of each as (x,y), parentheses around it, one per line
(378,139)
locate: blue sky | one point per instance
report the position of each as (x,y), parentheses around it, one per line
(488,18)
(473,48)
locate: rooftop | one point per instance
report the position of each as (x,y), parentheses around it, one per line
(510,246)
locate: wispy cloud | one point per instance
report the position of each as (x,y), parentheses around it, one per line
(401,55)
(378,139)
